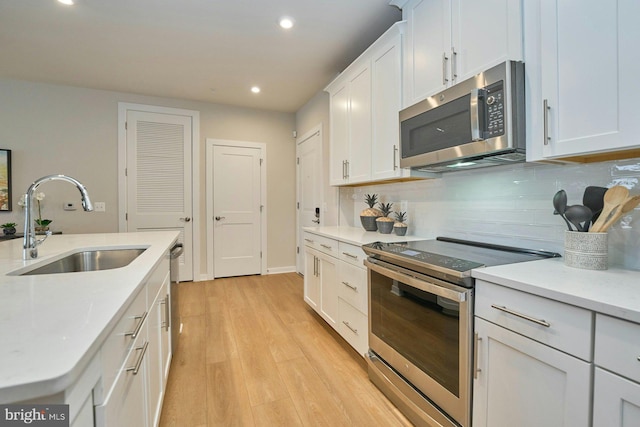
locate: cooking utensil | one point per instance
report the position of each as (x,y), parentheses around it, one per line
(593,198)
(627,206)
(560,204)
(613,198)
(580,216)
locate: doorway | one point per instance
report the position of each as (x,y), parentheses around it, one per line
(309,187)
(158,175)
(236,208)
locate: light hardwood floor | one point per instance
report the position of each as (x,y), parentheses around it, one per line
(252,353)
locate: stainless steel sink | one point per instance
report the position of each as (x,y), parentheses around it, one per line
(94,260)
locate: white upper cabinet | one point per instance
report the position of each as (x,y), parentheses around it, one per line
(448,41)
(582,73)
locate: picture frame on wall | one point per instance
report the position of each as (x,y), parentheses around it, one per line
(5,180)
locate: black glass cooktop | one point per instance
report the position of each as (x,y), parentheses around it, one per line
(451,258)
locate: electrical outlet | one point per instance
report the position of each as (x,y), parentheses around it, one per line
(100,206)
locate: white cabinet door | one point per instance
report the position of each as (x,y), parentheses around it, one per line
(339,139)
(328,289)
(428,47)
(386,101)
(311,280)
(586,76)
(616,401)
(520,382)
(359,160)
(484,34)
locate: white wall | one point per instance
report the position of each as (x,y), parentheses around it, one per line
(60,129)
(509,205)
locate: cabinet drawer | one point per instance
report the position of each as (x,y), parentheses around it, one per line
(353,327)
(562,326)
(120,341)
(353,286)
(617,346)
(352,254)
(321,243)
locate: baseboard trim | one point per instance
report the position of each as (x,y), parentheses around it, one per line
(280,270)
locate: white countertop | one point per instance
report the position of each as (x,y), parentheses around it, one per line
(615,292)
(52,325)
(358,235)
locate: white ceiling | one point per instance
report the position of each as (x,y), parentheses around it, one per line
(186,48)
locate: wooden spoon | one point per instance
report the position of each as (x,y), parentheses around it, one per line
(628,205)
(613,198)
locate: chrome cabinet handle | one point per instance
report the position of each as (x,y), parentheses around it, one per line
(325,246)
(454,64)
(344,169)
(349,255)
(540,322)
(545,120)
(395,157)
(444,68)
(135,368)
(355,288)
(308,240)
(133,334)
(186,219)
(347,163)
(355,331)
(476,369)
(167,314)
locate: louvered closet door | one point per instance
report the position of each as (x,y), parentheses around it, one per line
(159,191)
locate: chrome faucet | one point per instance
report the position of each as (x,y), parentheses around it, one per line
(30,243)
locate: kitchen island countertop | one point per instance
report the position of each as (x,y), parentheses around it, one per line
(615,291)
(52,325)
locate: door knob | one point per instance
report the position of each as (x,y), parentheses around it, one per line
(317,221)
(187,219)
(218,218)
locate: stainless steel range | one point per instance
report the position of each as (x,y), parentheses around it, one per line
(421,323)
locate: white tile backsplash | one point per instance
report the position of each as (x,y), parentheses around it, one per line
(510,205)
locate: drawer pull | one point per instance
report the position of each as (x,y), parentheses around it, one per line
(355,331)
(355,288)
(522,316)
(136,331)
(136,367)
(325,246)
(308,240)
(349,255)
(166,322)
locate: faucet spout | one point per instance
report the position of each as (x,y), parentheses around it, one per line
(30,243)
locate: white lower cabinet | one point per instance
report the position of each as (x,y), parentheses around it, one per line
(520,382)
(335,286)
(523,374)
(616,394)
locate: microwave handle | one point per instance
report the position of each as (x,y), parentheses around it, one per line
(474,110)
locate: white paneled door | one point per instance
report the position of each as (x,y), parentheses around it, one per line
(309,172)
(237,210)
(159,184)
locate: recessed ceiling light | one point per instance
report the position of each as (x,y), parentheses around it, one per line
(286,22)
(67,2)
(255,89)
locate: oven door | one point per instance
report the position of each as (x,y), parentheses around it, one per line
(421,328)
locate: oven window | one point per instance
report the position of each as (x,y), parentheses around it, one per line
(421,326)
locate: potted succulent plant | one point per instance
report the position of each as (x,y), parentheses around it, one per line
(9,228)
(399,227)
(385,224)
(368,216)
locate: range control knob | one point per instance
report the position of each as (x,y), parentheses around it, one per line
(491,99)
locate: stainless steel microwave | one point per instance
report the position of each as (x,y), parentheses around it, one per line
(477,122)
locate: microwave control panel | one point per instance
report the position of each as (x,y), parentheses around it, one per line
(494,110)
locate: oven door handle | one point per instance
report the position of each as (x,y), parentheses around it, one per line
(454,293)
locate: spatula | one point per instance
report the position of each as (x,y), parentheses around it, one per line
(613,198)
(593,198)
